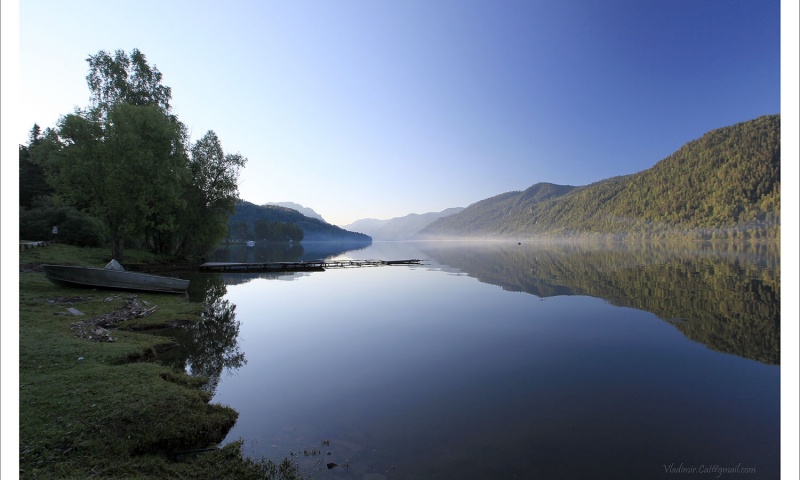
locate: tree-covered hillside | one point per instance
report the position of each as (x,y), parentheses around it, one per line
(724,184)
(249,219)
(308,212)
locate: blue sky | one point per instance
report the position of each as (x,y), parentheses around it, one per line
(382,108)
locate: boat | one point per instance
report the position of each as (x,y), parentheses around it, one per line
(113,276)
(251,243)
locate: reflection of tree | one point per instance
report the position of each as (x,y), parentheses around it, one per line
(206,288)
(728,299)
(212,343)
(209,346)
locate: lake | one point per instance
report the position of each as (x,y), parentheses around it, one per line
(499,360)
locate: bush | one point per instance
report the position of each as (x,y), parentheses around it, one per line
(74,227)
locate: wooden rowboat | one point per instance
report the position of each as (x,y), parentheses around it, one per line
(113,276)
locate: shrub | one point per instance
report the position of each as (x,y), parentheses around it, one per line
(74,227)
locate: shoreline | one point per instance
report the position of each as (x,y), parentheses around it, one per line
(90,408)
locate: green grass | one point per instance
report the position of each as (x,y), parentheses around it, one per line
(101,409)
(62,254)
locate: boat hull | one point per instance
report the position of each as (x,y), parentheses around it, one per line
(87,277)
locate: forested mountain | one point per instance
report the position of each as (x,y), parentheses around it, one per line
(399,228)
(308,212)
(724,184)
(280,223)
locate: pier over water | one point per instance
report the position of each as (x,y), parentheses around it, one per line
(314,265)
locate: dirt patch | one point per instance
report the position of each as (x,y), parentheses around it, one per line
(96,329)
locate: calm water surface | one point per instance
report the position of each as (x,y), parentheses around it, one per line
(502,361)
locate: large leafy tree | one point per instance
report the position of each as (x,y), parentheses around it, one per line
(125,161)
(124,78)
(211,194)
(124,158)
(127,171)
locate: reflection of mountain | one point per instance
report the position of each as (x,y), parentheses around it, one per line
(240,278)
(727,300)
(264,252)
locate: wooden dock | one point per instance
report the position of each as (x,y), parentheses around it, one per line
(307,266)
(27,245)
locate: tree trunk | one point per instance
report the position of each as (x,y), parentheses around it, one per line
(117,247)
(181,248)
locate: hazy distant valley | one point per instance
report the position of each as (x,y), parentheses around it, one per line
(399,228)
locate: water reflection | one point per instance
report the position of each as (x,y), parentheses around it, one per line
(197,292)
(264,252)
(424,372)
(210,346)
(435,372)
(726,297)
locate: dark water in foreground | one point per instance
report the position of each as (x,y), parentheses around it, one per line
(503,361)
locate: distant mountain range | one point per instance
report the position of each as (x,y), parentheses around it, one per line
(308,212)
(242,224)
(315,228)
(725,184)
(398,228)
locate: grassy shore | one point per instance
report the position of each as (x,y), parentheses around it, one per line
(91,409)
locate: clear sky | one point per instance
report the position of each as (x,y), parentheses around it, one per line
(383,108)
